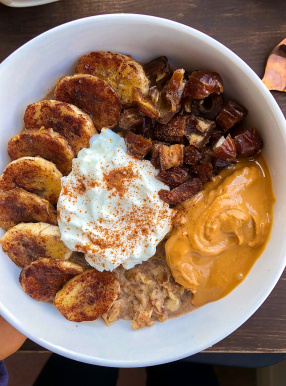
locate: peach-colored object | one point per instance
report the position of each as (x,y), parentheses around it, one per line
(275,71)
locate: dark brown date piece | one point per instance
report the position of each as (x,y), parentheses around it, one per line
(130,118)
(202,125)
(171,156)
(208,108)
(219,164)
(248,143)
(225,149)
(182,192)
(230,115)
(146,128)
(203,171)
(175,89)
(137,145)
(155,154)
(158,70)
(174,176)
(192,156)
(202,84)
(174,131)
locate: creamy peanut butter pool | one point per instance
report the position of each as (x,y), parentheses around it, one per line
(221,231)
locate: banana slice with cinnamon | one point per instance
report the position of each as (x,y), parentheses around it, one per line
(92,95)
(25,243)
(121,72)
(87,296)
(66,119)
(34,174)
(18,205)
(43,278)
(45,143)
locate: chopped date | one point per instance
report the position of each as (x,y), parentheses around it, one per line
(145,105)
(181,193)
(231,114)
(203,171)
(216,134)
(174,131)
(175,89)
(130,118)
(202,84)
(248,143)
(200,124)
(158,70)
(195,139)
(146,127)
(174,176)
(208,108)
(225,149)
(137,145)
(192,156)
(165,112)
(155,155)
(219,164)
(171,156)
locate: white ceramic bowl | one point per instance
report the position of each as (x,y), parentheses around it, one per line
(27,75)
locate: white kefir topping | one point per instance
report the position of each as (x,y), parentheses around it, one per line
(109,206)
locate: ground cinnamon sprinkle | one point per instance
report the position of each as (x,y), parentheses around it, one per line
(118,179)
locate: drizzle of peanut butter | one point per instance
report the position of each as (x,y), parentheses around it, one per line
(220,232)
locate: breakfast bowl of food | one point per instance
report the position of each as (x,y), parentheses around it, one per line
(141,192)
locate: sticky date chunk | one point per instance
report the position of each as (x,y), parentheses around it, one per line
(174,176)
(171,156)
(174,131)
(208,108)
(146,127)
(225,149)
(192,156)
(182,192)
(137,145)
(202,84)
(248,143)
(200,124)
(219,164)
(158,70)
(129,119)
(231,114)
(203,171)
(175,89)
(145,105)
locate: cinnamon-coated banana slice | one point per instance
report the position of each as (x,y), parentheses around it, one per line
(34,174)
(66,119)
(25,243)
(92,95)
(87,296)
(121,72)
(18,205)
(43,278)
(45,143)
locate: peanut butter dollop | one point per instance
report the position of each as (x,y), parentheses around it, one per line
(220,232)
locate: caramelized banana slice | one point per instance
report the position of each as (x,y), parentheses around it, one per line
(87,296)
(25,243)
(121,72)
(18,206)
(92,95)
(66,119)
(45,143)
(34,174)
(43,278)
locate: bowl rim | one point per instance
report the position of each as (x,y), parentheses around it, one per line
(219,47)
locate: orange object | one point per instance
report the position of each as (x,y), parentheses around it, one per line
(221,231)
(275,71)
